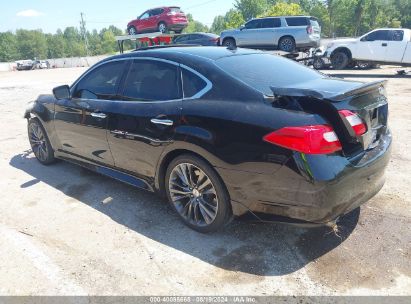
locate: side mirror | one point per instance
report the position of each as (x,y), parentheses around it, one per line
(242,27)
(62,92)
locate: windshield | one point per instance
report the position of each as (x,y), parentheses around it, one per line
(261,71)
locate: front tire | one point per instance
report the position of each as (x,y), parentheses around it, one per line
(39,142)
(229,43)
(197,193)
(287,44)
(318,63)
(339,60)
(132,30)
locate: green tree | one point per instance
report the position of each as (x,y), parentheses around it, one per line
(251,8)
(233,19)
(31,44)
(218,25)
(283,9)
(8,47)
(56,45)
(195,26)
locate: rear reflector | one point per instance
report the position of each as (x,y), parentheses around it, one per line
(355,122)
(316,139)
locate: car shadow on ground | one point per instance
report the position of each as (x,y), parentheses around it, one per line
(255,248)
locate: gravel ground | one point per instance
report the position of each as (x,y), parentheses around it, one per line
(67,231)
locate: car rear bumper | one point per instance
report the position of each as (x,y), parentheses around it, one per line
(177,26)
(310,188)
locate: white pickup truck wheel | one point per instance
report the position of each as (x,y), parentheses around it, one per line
(339,60)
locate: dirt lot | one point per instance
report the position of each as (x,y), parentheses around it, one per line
(64,230)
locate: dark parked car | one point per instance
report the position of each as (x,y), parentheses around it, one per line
(205,39)
(221,132)
(161,19)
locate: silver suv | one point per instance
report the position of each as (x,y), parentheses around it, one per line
(287,33)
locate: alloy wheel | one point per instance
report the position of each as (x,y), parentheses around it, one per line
(38,142)
(193,194)
(162,28)
(287,45)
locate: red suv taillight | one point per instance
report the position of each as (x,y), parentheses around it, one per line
(309,29)
(355,122)
(315,139)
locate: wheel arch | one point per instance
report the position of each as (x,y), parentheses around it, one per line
(228,37)
(285,36)
(343,49)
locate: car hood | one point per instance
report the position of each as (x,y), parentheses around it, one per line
(343,41)
(227,32)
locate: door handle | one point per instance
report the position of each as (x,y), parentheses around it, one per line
(164,122)
(98,115)
(384,44)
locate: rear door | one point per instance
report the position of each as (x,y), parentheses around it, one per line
(373,46)
(144,121)
(395,46)
(154,19)
(269,34)
(81,122)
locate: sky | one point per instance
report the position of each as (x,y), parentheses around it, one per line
(50,15)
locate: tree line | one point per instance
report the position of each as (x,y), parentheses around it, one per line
(338,18)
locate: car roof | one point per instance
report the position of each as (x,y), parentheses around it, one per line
(302,16)
(179,53)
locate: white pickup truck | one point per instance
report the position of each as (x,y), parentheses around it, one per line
(386,45)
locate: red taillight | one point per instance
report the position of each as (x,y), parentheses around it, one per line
(309,29)
(355,122)
(317,139)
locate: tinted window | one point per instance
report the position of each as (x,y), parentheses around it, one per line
(261,71)
(297,21)
(150,80)
(102,82)
(180,39)
(253,24)
(175,10)
(192,84)
(397,35)
(378,35)
(145,15)
(271,22)
(156,12)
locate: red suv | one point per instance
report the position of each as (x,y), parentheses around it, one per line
(161,19)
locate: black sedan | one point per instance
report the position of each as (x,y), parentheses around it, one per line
(204,39)
(221,133)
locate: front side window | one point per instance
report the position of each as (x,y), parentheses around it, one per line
(192,84)
(152,80)
(100,83)
(144,16)
(378,36)
(253,24)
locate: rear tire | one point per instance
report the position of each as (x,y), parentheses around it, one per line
(318,63)
(197,194)
(287,44)
(229,43)
(339,60)
(132,30)
(162,27)
(39,142)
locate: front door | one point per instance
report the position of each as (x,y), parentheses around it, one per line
(144,122)
(248,35)
(81,122)
(373,46)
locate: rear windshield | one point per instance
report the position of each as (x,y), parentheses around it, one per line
(261,71)
(314,22)
(175,10)
(297,21)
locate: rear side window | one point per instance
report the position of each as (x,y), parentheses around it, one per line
(192,84)
(397,35)
(271,22)
(297,21)
(261,71)
(100,83)
(150,80)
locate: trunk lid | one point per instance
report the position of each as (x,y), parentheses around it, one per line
(328,96)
